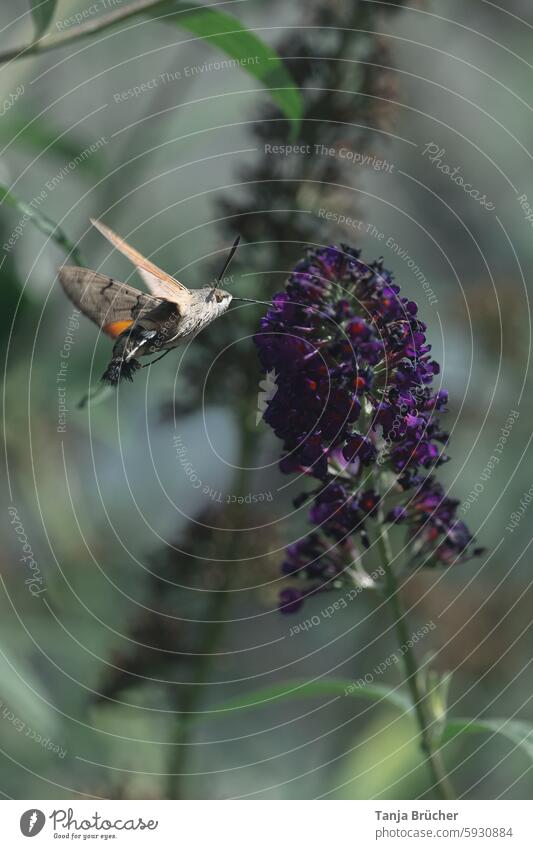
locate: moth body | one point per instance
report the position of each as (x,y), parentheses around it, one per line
(141,324)
(163,329)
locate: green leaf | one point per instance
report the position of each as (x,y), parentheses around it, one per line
(18,699)
(517,731)
(383,762)
(437,686)
(217,28)
(42,14)
(42,222)
(252,53)
(314,689)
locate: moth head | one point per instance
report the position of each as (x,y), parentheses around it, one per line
(220,298)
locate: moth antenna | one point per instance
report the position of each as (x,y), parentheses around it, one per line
(228,260)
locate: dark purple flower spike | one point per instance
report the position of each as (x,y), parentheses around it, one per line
(355,400)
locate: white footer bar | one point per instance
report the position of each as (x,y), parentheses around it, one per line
(268,824)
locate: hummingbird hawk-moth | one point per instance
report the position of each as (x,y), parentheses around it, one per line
(139,323)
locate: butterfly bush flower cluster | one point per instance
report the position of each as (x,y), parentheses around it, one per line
(356,410)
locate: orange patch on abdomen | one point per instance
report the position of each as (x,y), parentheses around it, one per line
(115,328)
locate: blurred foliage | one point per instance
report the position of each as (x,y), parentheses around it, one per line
(42,13)
(219,28)
(42,222)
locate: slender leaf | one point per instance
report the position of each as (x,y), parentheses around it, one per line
(437,685)
(218,28)
(252,53)
(517,731)
(18,702)
(384,762)
(42,222)
(42,14)
(315,689)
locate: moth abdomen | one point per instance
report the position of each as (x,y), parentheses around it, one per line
(118,369)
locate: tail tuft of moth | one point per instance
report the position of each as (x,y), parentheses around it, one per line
(119,369)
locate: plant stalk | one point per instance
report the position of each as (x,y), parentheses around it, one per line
(441,783)
(51,42)
(194,693)
(190,701)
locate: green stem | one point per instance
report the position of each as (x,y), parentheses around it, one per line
(43,223)
(51,42)
(194,692)
(441,782)
(190,701)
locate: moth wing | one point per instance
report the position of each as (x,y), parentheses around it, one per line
(112,305)
(161,284)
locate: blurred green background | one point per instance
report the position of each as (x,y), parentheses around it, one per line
(159,594)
